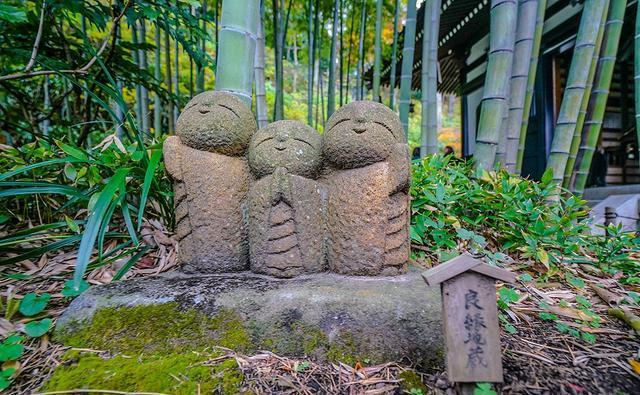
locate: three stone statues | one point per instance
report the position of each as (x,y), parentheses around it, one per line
(284,200)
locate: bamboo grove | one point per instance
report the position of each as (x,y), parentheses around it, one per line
(268,52)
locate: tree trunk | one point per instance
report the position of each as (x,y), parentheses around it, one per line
(234,72)
(496,87)
(598,100)
(261,98)
(377,53)
(168,80)
(525,32)
(157,73)
(331,94)
(531,79)
(407,66)
(577,133)
(575,86)
(360,66)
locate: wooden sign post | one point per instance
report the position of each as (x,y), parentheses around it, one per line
(470,312)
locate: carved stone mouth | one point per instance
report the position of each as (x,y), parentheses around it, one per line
(359,130)
(281,148)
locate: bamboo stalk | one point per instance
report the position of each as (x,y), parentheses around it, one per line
(239,27)
(407,66)
(168,79)
(394,56)
(360,67)
(575,87)
(157,73)
(136,61)
(522,59)
(432,80)
(377,53)
(261,96)
(496,89)
(331,95)
(575,141)
(636,78)
(199,65)
(310,60)
(144,93)
(531,80)
(600,94)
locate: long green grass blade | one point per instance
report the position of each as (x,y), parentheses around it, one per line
(96,217)
(23,169)
(148,178)
(125,268)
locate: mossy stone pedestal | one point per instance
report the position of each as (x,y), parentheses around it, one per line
(326,317)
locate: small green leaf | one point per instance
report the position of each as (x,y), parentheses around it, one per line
(72,224)
(70,291)
(33,303)
(73,151)
(525,277)
(589,337)
(575,281)
(10,352)
(583,301)
(38,328)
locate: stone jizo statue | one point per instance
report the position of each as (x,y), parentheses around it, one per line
(211,181)
(287,207)
(285,201)
(368,180)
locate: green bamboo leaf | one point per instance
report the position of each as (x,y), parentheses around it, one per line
(37,252)
(23,169)
(95,219)
(49,189)
(73,151)
(148,178)
(127,218)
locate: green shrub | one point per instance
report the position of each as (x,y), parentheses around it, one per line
(500,213)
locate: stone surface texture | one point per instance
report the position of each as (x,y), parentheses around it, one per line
(325,316)
(287,208)
(284,200)
(211,182)
(368,182)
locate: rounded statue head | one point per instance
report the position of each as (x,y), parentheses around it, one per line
(361,133)
(217,122)
(289,144)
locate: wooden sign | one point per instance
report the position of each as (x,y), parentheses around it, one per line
(471,329)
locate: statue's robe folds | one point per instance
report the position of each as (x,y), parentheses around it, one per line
(368,217)
(210,190)
(287,218)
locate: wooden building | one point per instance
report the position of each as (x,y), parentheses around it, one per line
(462,56)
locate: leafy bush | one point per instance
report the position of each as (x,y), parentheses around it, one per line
(496,213)
(57,186)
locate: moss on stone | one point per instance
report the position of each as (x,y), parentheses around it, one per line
(158,329)
(184,373)
(412,381)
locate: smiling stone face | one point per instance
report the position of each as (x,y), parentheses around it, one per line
(289,144)
(361,133)
(216,122)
